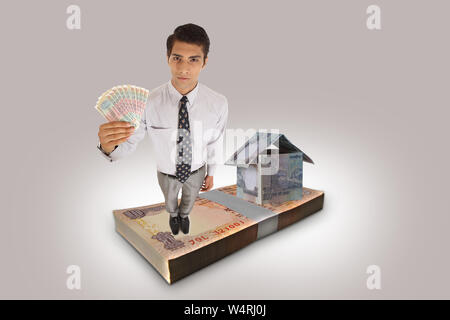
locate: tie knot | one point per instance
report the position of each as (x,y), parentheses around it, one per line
(184,99)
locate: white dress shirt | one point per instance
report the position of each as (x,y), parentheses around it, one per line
(208,114)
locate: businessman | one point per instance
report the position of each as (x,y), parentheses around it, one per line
(185,121)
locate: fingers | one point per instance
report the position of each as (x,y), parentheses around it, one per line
(113,133)
(116,130)
(118,141)
(115,124)
(207,185)
(114,137)
(115,127)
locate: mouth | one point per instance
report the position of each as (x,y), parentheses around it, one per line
(182,79)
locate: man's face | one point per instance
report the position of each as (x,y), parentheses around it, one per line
(186,62)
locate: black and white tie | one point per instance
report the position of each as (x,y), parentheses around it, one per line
(184,145)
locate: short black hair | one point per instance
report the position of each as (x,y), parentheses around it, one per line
(189,33)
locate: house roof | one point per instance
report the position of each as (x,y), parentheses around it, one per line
(248,152)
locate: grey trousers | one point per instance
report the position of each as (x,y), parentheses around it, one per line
(170,187)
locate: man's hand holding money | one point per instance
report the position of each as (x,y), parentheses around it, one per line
(114,133)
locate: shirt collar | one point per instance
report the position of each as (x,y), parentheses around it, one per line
(175,96)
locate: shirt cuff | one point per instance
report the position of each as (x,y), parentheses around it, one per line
(107,156)
(211,168)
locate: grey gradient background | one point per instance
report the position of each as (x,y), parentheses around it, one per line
(370,107)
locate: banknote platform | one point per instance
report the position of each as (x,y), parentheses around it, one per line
(216,229)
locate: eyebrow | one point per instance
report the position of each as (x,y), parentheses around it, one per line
(179,55)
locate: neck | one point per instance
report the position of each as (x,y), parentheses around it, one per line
(185,91)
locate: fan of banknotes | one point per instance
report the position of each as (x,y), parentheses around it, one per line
(123,103)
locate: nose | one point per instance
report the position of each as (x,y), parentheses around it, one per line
(183,67)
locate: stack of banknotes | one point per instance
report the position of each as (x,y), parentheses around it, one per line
(220,223)
(123,103)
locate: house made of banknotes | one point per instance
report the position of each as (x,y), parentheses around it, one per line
(269,169)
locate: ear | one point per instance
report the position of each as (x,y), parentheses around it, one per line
(204,63)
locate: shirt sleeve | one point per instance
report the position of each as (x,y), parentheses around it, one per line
(124,149)
(104,154)
(215,145)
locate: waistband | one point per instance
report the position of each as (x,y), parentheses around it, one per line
(192,172)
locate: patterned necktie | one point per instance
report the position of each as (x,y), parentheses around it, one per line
(184,145)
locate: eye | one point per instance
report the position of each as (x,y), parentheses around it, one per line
(195,59)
